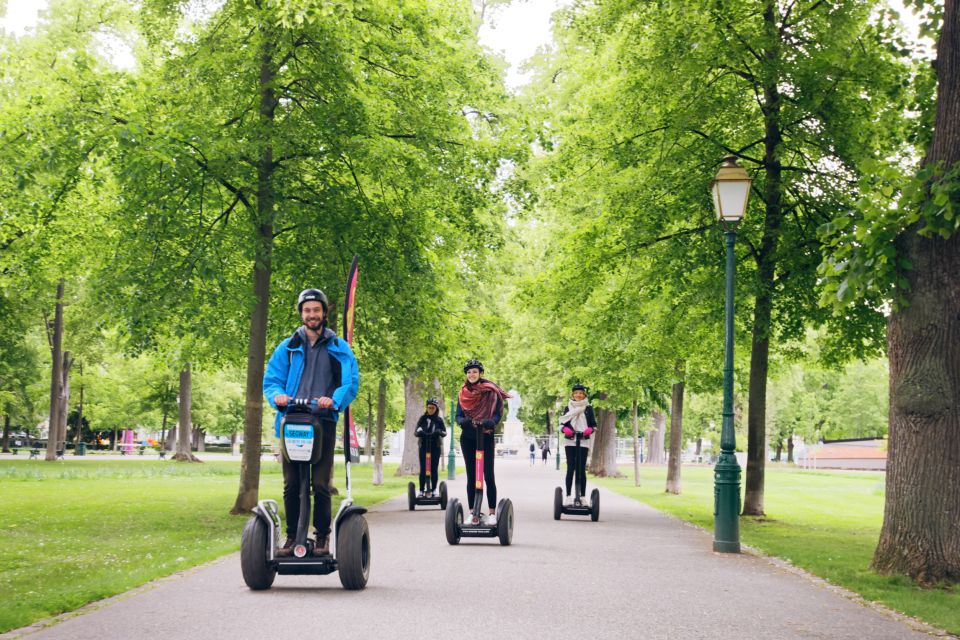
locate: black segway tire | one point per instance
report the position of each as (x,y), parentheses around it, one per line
(453,521)
(595,505)
(557,503)
(505,522)
(353,552)
(257,573)
(411,496)
(443,495)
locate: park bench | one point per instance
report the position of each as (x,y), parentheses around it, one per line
(34,453)
(162,453)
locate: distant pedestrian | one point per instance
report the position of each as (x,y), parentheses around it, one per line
(533,454)
(545,450)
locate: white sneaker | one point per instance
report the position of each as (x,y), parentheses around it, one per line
(470,519)
(491,519)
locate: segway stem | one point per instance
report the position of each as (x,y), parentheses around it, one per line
(478,462)
(304,518)
(577,475)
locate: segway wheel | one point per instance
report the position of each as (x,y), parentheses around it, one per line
(443,495)
(595,505)
(411,496)
(257,573)
(505,522)
(353,552)
(557,503)
(453,521)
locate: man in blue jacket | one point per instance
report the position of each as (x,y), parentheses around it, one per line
(312,363)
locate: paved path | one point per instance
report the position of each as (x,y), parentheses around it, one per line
(634,574)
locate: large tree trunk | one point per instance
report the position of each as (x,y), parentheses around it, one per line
(635,420)
(655,438)
(606,442)
(920,536)
(248,492)
(6,433)
(234,444)
(185,424)
(676,434)
(766,271)
(56,375)
(381,428)
(413,401)
(64,401)
(368,445)
(790,448)
(79,409)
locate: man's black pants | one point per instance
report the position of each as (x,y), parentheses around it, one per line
(321,485)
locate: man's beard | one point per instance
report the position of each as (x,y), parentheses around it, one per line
(313,325)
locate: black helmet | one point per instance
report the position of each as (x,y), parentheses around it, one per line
(312,294)
(473,364)
(578,387)
(434,402)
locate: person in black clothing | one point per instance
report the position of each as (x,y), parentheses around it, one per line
(545,449)
(430,433)
(479,406)
(579,418)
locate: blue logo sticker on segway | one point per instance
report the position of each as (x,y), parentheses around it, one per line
(298,439)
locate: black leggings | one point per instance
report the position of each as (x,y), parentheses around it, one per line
(321,487)
(434,464)
(468,444)
(571,466)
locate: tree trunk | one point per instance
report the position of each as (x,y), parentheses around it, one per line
(381,427)
(64,401)
(56,375)
(790,448)
(699,451)
(655,438)
(636,444)
(185,423)
(920,536)
(606,442)
(368,446)
(248,492)
(778,450)
(766,271)
(676,434)
(413,400)
(234,444)
(6,433)
(80,408)
(171,438)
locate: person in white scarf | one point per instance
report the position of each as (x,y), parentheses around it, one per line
(578,419)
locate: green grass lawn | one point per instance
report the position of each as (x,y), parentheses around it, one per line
(77,531)
(824,522)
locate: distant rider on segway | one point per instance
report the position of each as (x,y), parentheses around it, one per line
(312,363)
(479,406)
(579,418)
(430,432)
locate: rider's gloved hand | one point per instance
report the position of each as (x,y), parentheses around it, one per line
(587,432)
(567,432)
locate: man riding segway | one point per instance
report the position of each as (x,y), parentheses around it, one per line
(315,364)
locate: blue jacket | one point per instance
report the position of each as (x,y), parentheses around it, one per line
(285,367)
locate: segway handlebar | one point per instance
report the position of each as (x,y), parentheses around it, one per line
(301,403)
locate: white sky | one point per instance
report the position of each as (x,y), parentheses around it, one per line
(516,31)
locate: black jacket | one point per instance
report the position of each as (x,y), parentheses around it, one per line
(430,429)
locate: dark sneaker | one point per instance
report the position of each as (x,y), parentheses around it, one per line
(322,547)
(286,549)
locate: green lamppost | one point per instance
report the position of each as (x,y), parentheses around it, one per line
(452,458)
(731,190)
